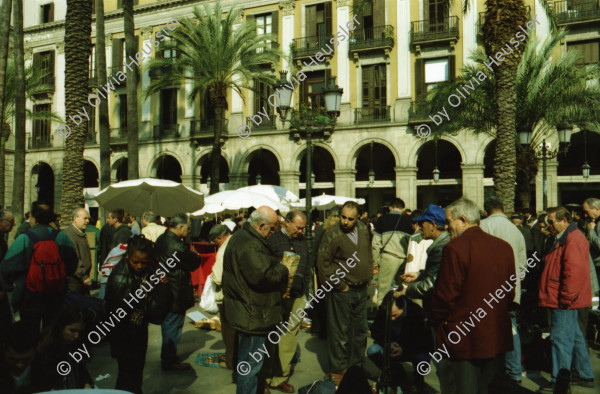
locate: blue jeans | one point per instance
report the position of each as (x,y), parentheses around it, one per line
(512,359)
(568,344)
(171,329)
(248,354)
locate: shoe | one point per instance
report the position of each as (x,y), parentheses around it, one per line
(577,381)
(178,366)
(337,377)
(284,387)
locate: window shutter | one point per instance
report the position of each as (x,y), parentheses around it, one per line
(275,24)
(119,4)
(311,21)
(51,65)
(174,94)
(451,67)
(51,16)
(419,79)
(378,13)
(117,53)
(328,18)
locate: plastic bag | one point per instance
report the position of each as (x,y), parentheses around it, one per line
(208,301)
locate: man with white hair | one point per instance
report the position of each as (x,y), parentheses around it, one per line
(474,289)
(252,285)
(151,229)
(81,281)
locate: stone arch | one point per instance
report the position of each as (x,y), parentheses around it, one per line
(247,157)
(353,156)
(414,154)
(299,154)
(153,163)
(167,167)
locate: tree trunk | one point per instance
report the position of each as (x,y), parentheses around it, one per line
(132,106)
(218,95)
(4,32)
(4,134)
(78,31)
(18,195)
(104,130)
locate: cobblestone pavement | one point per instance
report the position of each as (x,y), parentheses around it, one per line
(312,366)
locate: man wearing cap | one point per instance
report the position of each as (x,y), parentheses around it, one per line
(498,225)
(433,224)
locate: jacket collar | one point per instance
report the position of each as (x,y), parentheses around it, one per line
(563,238)
(443,238)
(248,227)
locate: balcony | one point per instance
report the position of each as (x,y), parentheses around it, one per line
(419,112)
(372,115)
(308,46)
(266,124)
(166,131)
(46,89)
(157,72)
(481,20)
(372,38)
(203,131)
(434,31)
(585,11)
(274,45)
(40,141)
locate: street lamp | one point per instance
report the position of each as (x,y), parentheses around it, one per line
(585,168)
(371,172)
(258,179)
(309,121)
(436,170)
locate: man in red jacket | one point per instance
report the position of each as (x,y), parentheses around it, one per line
(469,304)
(565,287)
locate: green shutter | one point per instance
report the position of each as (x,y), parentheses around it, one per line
(275,24)
(419,79)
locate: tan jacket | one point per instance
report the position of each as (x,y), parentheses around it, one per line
(152,231)
(217,270)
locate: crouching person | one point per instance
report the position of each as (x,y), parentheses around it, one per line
(409,340)
(135,296)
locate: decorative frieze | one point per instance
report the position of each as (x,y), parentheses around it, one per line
(287,7)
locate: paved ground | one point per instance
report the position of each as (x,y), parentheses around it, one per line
(203,379)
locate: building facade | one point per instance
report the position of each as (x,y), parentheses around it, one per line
(397,51)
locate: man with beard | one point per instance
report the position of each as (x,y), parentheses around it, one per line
(347,308)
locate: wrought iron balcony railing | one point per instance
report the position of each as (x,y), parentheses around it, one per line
(308,46)
(442,29)
(40,141)
(372,38)
(266,124)
(569,12)
(207,126)
(166,130)
(118,135)
(371,115)
(419,112)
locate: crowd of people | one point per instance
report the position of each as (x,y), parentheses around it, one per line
(455,287)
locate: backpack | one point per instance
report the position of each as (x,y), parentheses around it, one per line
(47,273)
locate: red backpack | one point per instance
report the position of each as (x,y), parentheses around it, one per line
(47,273)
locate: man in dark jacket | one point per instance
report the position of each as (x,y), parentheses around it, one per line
(122,232)
(252,285)
(409,339)
(106,238)
(433,222)
(180,283)
(81,281)
(474,289)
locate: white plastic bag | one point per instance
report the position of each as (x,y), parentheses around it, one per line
(208,301)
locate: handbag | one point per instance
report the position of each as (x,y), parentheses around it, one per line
(208,301)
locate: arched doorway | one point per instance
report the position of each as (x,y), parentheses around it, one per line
(167,167)
(42,183)
(263,168)
(90,175)
(119,170)
(449,186)
(91,187)
(377,159)
(204,165)
(323,167)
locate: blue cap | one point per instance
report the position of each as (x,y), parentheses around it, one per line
(434,214)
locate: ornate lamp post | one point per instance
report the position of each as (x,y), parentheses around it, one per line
(307,122)
(585,168)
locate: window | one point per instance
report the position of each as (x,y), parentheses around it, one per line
(169,53)
(91,124)
(436,71)
(264,25)
(47,13)
(260,97)
(119,55)
(123,112)
(41,127)
(45,61)
(93,62)
(590,51)
(436,13)
(311,88)
(168,109)
(374,86)
(318,22)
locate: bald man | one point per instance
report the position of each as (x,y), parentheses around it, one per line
(252,285)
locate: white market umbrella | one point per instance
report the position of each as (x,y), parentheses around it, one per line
(325,202)
(236,200)
(212,209)
(163,197)
(274,192)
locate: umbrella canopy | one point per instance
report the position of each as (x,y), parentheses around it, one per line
(234,200)
(274,192)
(325,201)
(212,209)
(163,197)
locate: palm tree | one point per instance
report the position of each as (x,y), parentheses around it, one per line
(104,130)
(548,90)
(4,32)
(132,106)
(18,195)
(78,31)
(215,58)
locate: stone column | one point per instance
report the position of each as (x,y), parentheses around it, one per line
(402,104)
(290,180)
(472,182)
(145,126)
(287,29)
(238,179)
(188,180)
(552,174)
(343,63)
(59,99)
(344,182)
(406,185)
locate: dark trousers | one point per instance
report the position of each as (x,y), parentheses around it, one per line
(38,308)
(468,376)
(347,328)
(230,339)
(131,358)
